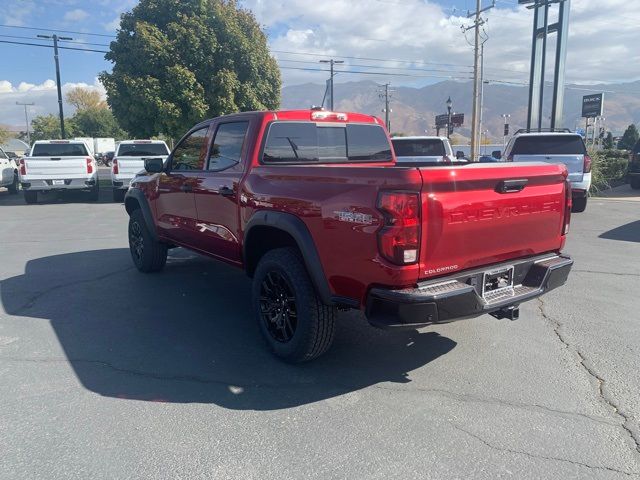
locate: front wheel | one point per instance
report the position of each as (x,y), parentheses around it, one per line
(579,204)
(94,193)
(14,187)
(294,321)
(148,254)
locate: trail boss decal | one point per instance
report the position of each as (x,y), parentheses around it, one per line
(354,217)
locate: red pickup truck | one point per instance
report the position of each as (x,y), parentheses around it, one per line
(312,205)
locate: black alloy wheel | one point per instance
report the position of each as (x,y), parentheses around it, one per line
(136,241)
(278,307)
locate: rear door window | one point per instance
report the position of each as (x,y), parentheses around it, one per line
(59,150)
(307,142)
(549,145)
(426,147)
(226,150)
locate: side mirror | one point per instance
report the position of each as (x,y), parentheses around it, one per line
(497,154)
(153,165)
(459,154)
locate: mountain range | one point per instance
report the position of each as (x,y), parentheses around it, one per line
(414,109)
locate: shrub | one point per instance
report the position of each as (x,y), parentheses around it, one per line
(608,169)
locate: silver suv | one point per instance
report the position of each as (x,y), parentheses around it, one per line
(559,146)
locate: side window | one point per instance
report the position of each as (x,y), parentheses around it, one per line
(226,150)
(188,155)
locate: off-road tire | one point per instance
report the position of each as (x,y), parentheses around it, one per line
(149,255)
(579,204)
(315,321)
(15,186)
(30,196)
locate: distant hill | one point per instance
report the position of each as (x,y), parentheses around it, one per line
(414,109)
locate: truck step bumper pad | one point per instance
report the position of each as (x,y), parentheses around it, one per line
(460,296)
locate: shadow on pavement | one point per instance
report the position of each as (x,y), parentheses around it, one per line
(626,233)
(50,198)
(188,334)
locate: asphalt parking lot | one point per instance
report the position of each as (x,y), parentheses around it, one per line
(108,373)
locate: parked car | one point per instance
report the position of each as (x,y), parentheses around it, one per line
(129,159)
(422,150)
(8,173)
(559,147)
(633,173)
(58,165)
(311,205)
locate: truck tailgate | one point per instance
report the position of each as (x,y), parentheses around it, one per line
(129,166)
(468,221)
(56,167)
(574,163)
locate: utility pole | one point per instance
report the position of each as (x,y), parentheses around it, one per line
(331,62)
(26,119)
(55,39)
(386,94)
(477,23)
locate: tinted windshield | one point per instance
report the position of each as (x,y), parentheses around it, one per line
(425,147)
(549,145)
(142,149)
(306,142)
(59,150)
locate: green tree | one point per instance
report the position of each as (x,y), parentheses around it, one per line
(608,141)
(4,135)
(629,138)
(97,122)
(176,62)
(83,99)
(45,127)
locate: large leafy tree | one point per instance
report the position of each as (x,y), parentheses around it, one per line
(176,62)
(629,138)
(47,127)
(97,122)
(83,98)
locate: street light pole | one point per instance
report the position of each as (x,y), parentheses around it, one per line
(26,118)
(331,62)
(55,39)
(449,105)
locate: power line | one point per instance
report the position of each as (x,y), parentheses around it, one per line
(378,66)
(61,31)
(50,46)
(65,41)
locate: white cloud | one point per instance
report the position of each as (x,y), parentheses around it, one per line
(44,95)
(76,15)
(112,25)
(601,47)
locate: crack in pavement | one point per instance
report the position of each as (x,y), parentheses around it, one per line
(606,398)
(37,296)
(542,457)
(462,397)
(618,274)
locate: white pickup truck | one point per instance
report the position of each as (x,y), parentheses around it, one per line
(129,160)
(419,151)
(8,173)
(58,165)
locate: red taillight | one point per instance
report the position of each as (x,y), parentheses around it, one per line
(114,166)
(89,165)
(568,203)
(587,164)
(446,159)
(23,167)
(399,239)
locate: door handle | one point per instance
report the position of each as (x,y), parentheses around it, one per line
(511,186)
(186,188)
(226,191)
